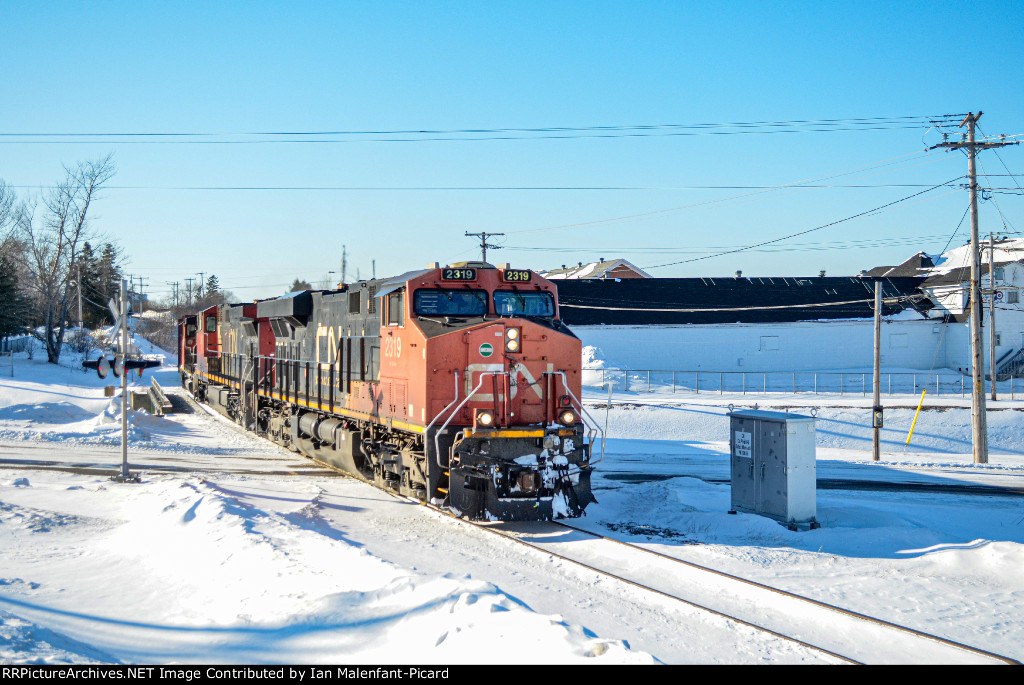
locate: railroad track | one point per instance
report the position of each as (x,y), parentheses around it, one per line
(837,633)
(833,631)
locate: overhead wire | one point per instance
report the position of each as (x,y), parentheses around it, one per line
(482,134)
(874,210)
(904,158)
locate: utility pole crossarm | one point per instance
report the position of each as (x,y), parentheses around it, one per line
(976,146)
(483,242)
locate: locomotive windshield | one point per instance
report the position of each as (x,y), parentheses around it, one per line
(521,303)
(439,302)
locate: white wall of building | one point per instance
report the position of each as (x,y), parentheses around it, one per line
(800,346)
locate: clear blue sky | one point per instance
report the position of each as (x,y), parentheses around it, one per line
(232,69)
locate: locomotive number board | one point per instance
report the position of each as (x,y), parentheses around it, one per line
(516,275)
(458,274)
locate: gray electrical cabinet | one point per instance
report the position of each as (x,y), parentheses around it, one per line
(773,466)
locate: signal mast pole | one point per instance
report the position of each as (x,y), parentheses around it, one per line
(992,314)
(876,379)
(124,476)
(978,427)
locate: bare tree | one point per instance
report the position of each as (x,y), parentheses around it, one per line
(6,208)
(53,241)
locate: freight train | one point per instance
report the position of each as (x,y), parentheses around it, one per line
(455,385)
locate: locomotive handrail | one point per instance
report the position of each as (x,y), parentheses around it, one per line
(426,431)
(565,382)
(437,436)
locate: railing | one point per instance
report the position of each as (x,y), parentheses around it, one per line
(1011,364)
(789,382)
(291,379)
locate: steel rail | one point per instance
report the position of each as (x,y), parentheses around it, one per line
(791,595)
(447,515)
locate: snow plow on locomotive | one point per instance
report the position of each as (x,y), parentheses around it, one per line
(458,386)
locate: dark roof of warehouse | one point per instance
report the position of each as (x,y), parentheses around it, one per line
(667,301)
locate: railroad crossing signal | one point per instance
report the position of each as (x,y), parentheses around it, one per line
(119,364)
(104,366)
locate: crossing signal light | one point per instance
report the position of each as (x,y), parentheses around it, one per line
(104,366)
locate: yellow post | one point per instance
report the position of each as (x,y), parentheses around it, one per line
(919,404)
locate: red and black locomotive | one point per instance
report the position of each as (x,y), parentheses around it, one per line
(458,386)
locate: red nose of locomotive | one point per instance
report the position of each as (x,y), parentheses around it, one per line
(507,430)
(517,373)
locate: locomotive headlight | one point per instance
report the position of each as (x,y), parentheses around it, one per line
(567,417)
(484,418)
(512,339)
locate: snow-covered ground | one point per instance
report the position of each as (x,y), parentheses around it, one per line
(232,550)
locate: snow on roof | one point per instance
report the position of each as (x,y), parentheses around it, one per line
(600,269)
(1007,250)
(953,266)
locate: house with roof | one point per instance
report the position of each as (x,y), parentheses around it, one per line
(1002,280)
(601,269)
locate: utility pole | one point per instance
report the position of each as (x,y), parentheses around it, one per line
(188,291)
(978,428)
(202,288)
(483,242)
(78,276)
(141,294)
(992,314)
(876,379)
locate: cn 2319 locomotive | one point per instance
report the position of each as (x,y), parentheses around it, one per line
(458,386)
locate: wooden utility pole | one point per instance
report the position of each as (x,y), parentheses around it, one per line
(978,427)
(79,283)
(483,242)
(876,381)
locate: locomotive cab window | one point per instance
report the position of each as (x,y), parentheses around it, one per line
(396,308)
(211,323)
(523,303)
(443,302)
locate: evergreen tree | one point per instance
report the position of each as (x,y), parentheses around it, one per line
(101,281)
(299,285)
(14,305)
(212,285)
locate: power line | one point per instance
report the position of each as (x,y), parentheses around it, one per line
(810,230)
(480,134)
(921,119)
(498,188)
(904,158)
(795,247)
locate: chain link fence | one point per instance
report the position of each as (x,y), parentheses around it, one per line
(790,382)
